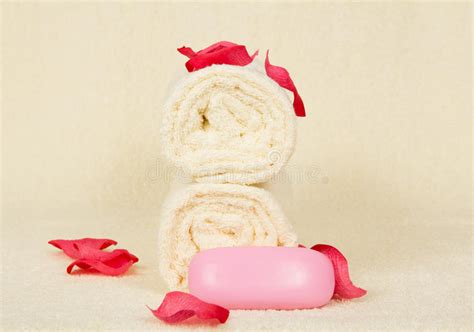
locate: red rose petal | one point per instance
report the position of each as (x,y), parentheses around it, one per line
(229,53)
(117,255)
(89,255)
(109,263)
(217,46)
(99,266)
(219,53)
(282,77)
(344,288)
(70,247)
(187,51)
(178,306)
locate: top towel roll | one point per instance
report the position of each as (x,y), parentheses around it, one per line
(229,124)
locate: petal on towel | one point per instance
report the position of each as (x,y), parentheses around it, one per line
(344,288)
(178,306)
(109,263)
(71,247)
(282,77)
(187,51)
(217,54)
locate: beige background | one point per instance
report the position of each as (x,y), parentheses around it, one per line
(382,167)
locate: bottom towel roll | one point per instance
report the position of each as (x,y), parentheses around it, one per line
(205,216)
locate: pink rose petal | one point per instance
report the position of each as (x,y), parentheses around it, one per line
(109,263)
(344,288)
(89,255)
(187,51)
(282,77)
(178,306)
(219,53)
(103,268)
(70,247)
(229,53)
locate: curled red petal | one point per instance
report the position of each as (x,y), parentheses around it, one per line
(99,266)
(254,55)
(187,51)
(235,55)
(71,247)
(178,306)
(223,52)
(344,288)
(217,46)
(109,263)
(282,77)
(96,254)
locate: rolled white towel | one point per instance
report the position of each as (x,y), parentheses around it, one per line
(204,216)
(229,124)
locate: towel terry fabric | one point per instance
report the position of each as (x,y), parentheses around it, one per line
(204,216)
(228,124)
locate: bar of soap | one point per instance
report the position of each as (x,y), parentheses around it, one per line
(262,277)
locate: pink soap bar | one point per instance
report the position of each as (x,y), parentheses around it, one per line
(262,277)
